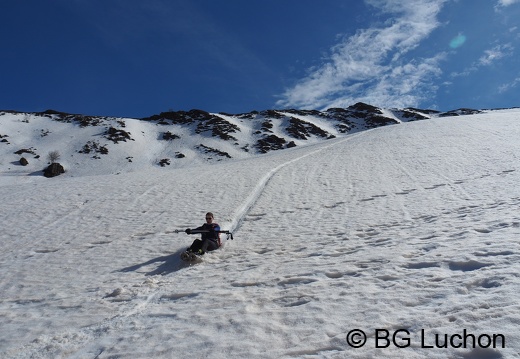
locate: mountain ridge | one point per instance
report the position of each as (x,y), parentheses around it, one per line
(180,138)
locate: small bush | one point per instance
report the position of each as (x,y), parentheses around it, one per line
(53,156)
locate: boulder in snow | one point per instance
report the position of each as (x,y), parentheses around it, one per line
(53,170)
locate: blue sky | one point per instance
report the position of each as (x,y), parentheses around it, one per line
(136,58)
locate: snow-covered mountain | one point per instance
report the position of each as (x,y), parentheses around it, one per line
(408,234)
(177,139)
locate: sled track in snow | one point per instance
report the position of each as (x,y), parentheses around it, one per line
(252,199)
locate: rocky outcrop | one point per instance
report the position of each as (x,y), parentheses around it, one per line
(197,134)
(460,112)
(270,143)
(53,170)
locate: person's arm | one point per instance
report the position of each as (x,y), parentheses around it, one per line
(194,230)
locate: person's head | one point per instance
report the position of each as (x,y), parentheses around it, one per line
(209,217)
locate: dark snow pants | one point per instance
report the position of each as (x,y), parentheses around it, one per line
(206,245)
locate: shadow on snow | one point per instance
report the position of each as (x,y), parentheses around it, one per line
(169,264)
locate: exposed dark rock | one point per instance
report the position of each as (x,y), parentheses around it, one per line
(427,111)
(372,115)
(267,126)
(26,150)
(272,129)
(164,162)
(53,170)
(53,112)
(410,115)
(214,151)
(460,112)
(305,112)
(378,121)
(218,127)
(343,128)
(44,133)
(270,143)
(302,130)
(343,117)
(271,114)
(168,136)
(205,121)
(356,117)
(249,115)
(116,135)
(23,161)
(81,120)
(94,147)
(179,117)
(291,144)
(365,108)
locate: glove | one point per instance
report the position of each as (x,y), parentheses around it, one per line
(188,231)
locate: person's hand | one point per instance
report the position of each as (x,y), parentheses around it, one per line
(188,231)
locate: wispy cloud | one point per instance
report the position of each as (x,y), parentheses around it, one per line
(371,66)
(489,58)
(508,86)
(494,54)
(504,3)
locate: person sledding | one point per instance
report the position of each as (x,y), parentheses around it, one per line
(209,241)
(210,236)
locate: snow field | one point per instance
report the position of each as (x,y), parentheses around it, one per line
(416,236)
(410,227)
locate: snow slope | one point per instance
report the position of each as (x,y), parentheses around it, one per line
(411,227)
(94,145)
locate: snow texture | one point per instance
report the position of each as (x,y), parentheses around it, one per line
(410,227)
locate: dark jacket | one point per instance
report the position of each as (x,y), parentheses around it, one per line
(212,233)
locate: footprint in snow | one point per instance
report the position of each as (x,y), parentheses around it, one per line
(506,172)
(296,281)
(494,254)
(422,265)
(334,275)
(46,250)
(436,186)
(406,191)
(467,266)
(292,301)
(100,242)
(486,283)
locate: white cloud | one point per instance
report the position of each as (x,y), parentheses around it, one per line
(370,66)
(507,2)
(501,5)
(487,59)
(509,86)
(495,54)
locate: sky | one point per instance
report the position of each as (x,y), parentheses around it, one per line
(130,58)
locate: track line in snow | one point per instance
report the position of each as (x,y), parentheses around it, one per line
(252,199)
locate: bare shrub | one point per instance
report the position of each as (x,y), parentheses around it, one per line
(53,156)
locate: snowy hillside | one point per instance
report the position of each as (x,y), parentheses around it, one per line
(89,145)
(410,229)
